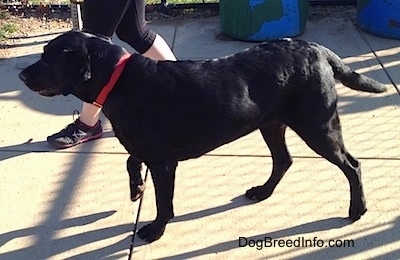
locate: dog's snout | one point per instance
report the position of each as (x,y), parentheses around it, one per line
(23,77)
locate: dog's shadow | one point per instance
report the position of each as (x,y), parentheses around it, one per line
(374,240)
(315,226)
(312,227)
(240,201)
(236,202)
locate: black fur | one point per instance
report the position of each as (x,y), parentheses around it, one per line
(164,112)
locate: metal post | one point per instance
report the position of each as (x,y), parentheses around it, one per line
(76,15)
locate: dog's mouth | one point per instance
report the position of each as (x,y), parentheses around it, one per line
(50,92)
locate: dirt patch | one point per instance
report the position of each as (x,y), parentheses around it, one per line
(318,13)
(32,22)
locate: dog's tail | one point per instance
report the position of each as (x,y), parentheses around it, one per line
(350,78)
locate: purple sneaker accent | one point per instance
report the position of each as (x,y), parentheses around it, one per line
(74,134)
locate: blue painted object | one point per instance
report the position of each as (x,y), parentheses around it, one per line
(260,20)
(379,17)
(287,25)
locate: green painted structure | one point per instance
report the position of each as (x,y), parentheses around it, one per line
(260,20)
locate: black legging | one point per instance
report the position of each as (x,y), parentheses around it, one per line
(124,17)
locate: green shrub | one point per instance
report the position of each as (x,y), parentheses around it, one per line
(4,14)
(6,30)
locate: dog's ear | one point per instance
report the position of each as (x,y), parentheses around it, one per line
(86,69)
(80,57)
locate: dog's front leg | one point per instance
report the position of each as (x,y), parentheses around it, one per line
(163,175)
(136,183)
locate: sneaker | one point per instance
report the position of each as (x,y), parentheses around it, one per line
(74,134)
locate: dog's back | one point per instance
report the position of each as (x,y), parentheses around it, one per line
(231,96)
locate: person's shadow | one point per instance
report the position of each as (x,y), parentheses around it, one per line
(64,244)
(8,152)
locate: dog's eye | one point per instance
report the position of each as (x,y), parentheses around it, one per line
(71,54)
(68,52)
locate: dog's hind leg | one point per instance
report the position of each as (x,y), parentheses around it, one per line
(326,140)
(136,183)
(163,175)
(274,136)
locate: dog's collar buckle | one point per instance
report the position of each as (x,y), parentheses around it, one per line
(101,98)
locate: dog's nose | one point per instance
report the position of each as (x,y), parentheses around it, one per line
(23,77)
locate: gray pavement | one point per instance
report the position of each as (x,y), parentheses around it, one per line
(74,204)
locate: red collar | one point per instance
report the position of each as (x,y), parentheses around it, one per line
(101,98)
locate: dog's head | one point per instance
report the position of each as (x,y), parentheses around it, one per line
(66,66)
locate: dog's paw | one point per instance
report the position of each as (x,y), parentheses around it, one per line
(356,212)
(151,232)
(137,191)
(258,193)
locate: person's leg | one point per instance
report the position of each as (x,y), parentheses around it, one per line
(103,16)
(159,50)
(90,114)
(133,30)
(99,17)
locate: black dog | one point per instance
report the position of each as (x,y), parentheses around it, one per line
(164,112)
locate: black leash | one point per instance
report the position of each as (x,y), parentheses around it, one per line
(137,218)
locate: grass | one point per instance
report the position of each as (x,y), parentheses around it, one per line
(5,27)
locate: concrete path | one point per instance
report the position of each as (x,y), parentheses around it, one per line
(74,204)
